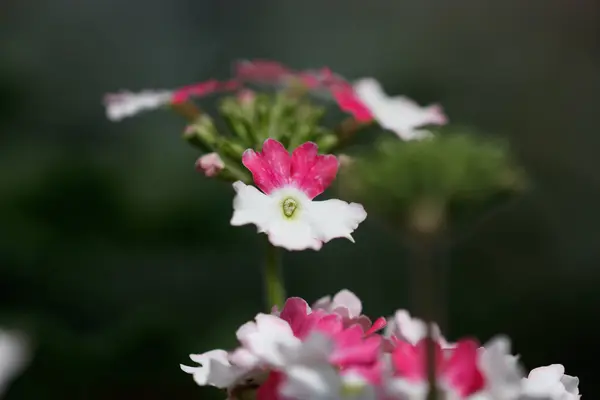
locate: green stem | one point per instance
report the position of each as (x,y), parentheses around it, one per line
(273,276)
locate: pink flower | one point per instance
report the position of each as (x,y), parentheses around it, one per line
(285,209)
(456,369)
(210,164)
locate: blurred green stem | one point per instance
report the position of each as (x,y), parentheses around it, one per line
(426,225)
(273,276)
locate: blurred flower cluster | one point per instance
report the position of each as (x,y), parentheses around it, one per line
(332,351)
(266,141)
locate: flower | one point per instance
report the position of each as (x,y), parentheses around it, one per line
(210,164)
(285,209)
(292,351)
(316,353)
(398,114)
(551,383)
(14,355)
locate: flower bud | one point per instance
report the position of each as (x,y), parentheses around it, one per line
(210,164)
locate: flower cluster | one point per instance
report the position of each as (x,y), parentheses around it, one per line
(331,351)
(364,99)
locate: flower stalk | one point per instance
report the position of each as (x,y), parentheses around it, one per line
(427,222)
(273,276)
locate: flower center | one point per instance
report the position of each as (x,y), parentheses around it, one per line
(289,207)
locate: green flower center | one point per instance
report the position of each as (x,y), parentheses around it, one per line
(289,207)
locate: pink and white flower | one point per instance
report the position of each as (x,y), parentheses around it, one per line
(285,209)
(315,353)
(399,114)
(297,351)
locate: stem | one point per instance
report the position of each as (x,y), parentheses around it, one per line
(273,276)
(427,223)
(424,300)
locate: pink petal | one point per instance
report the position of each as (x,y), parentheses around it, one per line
(310,172)
(349,102)
(379,324)
(183,94)
(269,390)
(329,324)
(295,312)
(461,370)
(271,167)
(410,361)
(261,70)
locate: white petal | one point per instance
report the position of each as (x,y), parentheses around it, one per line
(413,330)
(14,355)
(251,206)
(500,367)
(551,382)
(398,114)
(334,218)
(349,300)
(271,340)
(292,235)
(126,104)
(315,383)
(214,370)
(571,384)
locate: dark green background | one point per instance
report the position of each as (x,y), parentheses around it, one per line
(120,258)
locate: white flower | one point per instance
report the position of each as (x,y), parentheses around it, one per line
(398,114)
(14,356)
(284,210)
(126,104)
(551,383)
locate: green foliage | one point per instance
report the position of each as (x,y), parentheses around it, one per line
(250,120)
(449,172)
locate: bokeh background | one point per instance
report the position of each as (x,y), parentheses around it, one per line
(119,258)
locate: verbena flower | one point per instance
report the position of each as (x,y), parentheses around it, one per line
(318,353)
(285,209)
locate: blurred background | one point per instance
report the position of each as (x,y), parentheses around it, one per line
(119,258)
